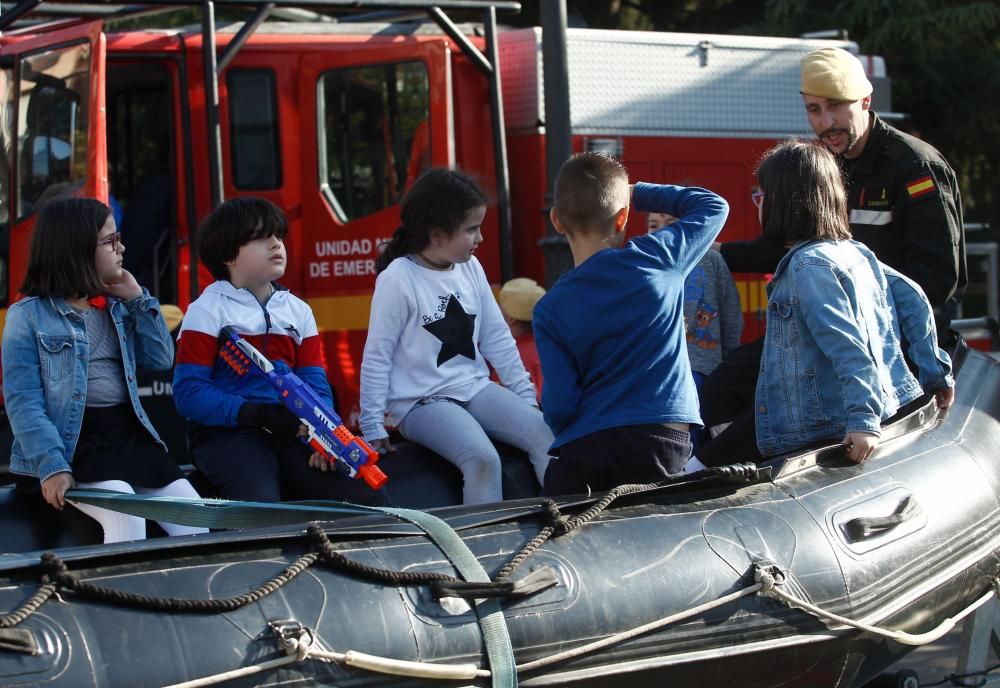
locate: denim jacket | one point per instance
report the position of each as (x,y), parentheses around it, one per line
(45,357)
(833,361)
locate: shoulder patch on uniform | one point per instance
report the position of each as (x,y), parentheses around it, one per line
(920,187)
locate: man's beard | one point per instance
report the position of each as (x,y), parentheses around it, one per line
(852,139)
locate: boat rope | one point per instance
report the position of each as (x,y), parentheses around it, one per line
(430,670)
(28,608)
(768,581)
(771,581)
(297,649)
(57,576)
(982,679)
(560,525)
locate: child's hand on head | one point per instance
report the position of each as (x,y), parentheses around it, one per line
(125,287)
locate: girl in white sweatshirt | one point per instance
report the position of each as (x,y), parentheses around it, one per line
(434,325)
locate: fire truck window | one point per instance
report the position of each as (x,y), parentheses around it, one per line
(373,135)
(52,125)
(253,129)
(6,148)
(140,163)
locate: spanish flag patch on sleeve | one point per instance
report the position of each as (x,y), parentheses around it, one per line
(920,187)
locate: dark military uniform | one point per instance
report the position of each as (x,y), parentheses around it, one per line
(905,205)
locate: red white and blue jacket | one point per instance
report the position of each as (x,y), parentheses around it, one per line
(205,389)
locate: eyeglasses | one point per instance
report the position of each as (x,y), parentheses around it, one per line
(758,198)
(114,241)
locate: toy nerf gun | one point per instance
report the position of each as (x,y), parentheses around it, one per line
(327,433)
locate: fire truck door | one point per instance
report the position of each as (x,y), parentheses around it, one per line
(374,116)
(53,138)
(379,116)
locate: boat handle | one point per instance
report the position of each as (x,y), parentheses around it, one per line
(864,527)
(18,640)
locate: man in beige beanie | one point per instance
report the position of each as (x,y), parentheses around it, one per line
(838,96)
(902,195)
(903,200)
(517,302)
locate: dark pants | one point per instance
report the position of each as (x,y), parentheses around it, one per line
(736,444)
(250,465)
(731,387)
(616,456)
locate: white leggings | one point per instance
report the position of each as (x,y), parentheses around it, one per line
(122,527)
(461,434)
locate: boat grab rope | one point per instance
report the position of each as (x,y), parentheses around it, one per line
(300,649)
(28,608)
(768,581)
(772,578)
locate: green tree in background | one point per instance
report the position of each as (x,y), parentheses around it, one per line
(943,59)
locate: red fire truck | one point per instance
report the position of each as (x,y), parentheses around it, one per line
(332,119)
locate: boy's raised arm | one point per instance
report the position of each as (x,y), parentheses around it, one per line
(700,215)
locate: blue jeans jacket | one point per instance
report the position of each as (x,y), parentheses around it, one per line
(833,361)
(45,357)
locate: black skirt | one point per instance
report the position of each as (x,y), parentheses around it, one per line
(114,445)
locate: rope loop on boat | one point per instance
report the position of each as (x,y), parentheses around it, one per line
(331,557)
(28,608)
(775,591)
(59,577)
(768,577)
(559,523)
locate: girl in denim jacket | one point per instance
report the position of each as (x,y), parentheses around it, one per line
(70,350)
(833,365)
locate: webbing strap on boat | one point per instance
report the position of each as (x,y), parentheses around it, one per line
(216,513)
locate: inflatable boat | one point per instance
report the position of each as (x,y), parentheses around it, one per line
(803,571)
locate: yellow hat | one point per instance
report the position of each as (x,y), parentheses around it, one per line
(172,315)
(519,296)
(834,73)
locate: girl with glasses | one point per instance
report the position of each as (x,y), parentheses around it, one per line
(70,351)
(833,366)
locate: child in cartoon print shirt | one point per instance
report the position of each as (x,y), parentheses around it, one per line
(712,313)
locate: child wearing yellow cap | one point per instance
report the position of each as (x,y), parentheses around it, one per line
(517,301)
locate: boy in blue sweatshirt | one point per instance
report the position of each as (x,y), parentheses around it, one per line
(618,395)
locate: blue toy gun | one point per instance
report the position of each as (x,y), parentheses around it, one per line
(327,434)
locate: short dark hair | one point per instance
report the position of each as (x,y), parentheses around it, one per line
(235,223)
(589,190)
(63,245)
(804,194)
(439,199)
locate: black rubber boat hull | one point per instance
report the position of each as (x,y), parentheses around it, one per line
(645,557)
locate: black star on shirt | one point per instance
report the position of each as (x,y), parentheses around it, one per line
(455,332)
